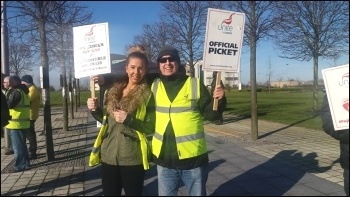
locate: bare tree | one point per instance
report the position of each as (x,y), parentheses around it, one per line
(20,59)
(60,41)
(259,24)
(311,29)
(187,20)
(269,74)
(33,16)
(154,37)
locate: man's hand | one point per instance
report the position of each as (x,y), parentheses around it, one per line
(218,92)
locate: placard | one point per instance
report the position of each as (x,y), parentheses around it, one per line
(223,40)
(336,80)
(91,50)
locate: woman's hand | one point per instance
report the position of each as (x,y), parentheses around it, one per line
(92,103)
(120,115)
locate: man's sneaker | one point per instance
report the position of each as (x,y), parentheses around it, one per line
(12,170)
(9,152)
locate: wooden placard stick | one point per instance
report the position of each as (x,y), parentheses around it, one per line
(218,82)
(92,90)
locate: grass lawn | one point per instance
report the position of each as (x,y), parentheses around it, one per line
(283,107)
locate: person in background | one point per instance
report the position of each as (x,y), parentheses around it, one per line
(6,84)
(342,136)
(124,152)
(6,90)
(34,97)
(223,101)
(18,103)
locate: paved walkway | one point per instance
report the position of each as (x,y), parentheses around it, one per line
(285,161)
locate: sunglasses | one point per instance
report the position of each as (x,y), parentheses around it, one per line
(164,60)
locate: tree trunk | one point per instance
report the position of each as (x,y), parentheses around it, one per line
(254,105)
(315,89)
(45,88)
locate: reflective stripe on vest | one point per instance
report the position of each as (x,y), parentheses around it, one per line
(20,113)
(95,155)
(189,135)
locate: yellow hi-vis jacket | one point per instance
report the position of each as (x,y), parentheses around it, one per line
(20,114)
(95,155)
(186,119)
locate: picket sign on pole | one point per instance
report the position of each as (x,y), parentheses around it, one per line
(223,43)
(336,81)
(91,52)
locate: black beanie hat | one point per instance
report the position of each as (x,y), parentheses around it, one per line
(168,50)
(27,78)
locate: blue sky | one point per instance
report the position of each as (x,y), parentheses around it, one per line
(126,18)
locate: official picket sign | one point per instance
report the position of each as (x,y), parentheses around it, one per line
(336,80)
(223,40)
(91,50)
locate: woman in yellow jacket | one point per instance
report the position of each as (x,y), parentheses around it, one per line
(123,152)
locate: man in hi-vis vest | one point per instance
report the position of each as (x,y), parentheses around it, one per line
(18,103)
(178,146)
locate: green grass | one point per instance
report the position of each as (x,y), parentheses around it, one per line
(283,107)
(56,98)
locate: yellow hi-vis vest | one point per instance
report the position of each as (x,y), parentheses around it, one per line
(20,114)
(185,117)
(95,155)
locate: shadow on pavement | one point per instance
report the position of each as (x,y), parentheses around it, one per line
(288,126)
(271,178)
(48,186)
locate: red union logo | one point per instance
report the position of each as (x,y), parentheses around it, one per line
(89,36)
(91,32)
(344,80)
(225,26)
(346,104)
(228,20)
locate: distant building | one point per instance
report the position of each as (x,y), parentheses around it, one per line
(230,79)
(281,84)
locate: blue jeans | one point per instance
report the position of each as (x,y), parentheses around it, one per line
(194,180)
(19,146)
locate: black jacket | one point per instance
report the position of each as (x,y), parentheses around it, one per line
(5,112)
(14,96)
(341,135)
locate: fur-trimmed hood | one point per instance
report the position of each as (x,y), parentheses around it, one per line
(130,102)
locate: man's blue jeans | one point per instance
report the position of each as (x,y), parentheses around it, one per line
(194,180)
(19,146)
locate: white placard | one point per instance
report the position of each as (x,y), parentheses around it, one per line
(91,50)
(336,82)
(223,40)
